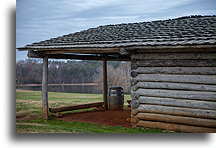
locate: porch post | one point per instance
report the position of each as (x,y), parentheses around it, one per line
(44,89)
(105,84)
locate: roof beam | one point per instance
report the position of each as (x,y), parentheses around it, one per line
(71,49)
(34,54)
(88,57)
(93,51)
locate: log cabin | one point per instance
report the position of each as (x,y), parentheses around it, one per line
(173,83)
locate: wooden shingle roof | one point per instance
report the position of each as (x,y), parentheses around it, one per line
(193,30)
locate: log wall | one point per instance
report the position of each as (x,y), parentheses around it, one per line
(174,91)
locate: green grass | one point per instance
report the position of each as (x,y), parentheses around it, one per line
(54,126)
(28,112)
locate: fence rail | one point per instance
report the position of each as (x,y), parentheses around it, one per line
(62,84)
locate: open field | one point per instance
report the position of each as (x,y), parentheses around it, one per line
(28,114)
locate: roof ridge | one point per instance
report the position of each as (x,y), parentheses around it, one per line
(112,25)
(193,16)
(179,18)
(200,29)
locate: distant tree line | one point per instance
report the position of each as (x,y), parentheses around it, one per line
(117,76)
(72,71)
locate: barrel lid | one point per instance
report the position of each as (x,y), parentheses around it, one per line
(116,87)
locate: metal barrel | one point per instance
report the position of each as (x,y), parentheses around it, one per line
(116,98)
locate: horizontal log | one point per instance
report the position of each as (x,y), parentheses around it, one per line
(174,86)
(194,95)
(174,63)
(75,107)
(177,119)
(33,54)
(134,96)
(134,104)
(134,112)
(49,52)
(175,127)
(199,79)
(134,66)
(179,111)
(87,57)
(178,102)
(69,49)
(178,48)
(188,55)
(134,120)
(133,82)
(175,70)
(60,84)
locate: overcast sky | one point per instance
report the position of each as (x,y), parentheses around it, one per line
(39,20)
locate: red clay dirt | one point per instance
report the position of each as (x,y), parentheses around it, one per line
(107,117)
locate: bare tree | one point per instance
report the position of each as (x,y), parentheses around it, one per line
(118,76)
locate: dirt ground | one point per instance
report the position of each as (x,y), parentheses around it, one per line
(107,117)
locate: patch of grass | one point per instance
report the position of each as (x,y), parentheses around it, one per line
(22,106)
(28,95)
(55,126)
(28,108)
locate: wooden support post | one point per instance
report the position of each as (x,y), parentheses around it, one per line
(105,84)
(44,89)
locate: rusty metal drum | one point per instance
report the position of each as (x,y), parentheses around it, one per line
(116,98)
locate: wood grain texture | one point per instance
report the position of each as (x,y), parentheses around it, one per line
(75,107)
(196,95)
(174,86)
(175,49)
(175,127)
(177,119)
(168,110)
(45,89)
(77,49)
(134,112)
(134,104)
(134,96)
(185,56)
(174,63)
(134,120)
(133,81)
(175,70)
(178,102)
(198,79)
(176,90)
(134,66)
(105,89)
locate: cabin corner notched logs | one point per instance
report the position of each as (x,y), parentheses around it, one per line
(174,91)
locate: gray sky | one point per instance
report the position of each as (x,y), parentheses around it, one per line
(38,20)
